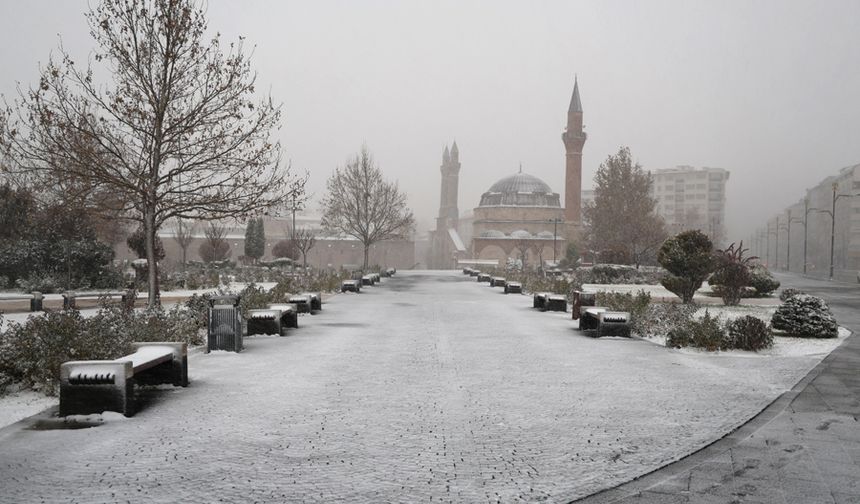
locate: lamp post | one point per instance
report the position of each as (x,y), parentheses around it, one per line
(788,251)
(832,212)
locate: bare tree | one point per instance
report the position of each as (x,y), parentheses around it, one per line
(183,234)
(622,217)
(523,245)
(215,247)
(304,240)
(360,203)
(176,134)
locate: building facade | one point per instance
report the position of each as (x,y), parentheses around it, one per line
(519,217)
(692,198)
(799,237)
(328,252)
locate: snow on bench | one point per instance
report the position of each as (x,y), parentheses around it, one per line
(605,322)
(483,277)
(108,385)
(497,282)
(35,298)
(513,288)
(70,298)
(351,286)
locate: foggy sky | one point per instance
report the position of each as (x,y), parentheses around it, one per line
(765,89)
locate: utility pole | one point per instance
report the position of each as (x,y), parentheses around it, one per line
(805,228)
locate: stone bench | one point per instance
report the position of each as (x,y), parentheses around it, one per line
(95,386)
(70,298)
(605,322)
(539,300)
(483,277)
(513,288)
(289,314)
(467,271)
(35,298)
(367,280)
(304,302)
(350,286)
(497,282)
(474,273)
(556,302)
(274,320)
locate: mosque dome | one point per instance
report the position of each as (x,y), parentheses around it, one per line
(521,233)
(520,189)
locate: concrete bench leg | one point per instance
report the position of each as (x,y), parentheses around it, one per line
(174,372)
(84,390)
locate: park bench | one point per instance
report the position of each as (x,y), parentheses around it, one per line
(289,314)
(366,280)
(513,288)
(605,322)
(127,297)
(376,277)
(497,282)
(474,273)
(271,320)
(556,302)
(303,302)
(351,286)
(224,324)
(466,271)
(95,386)
(391,271)
(35,298)
(539,300)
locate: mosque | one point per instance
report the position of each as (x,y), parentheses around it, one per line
(519,217)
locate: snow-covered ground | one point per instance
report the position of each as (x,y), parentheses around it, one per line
(660,293)
(428,387)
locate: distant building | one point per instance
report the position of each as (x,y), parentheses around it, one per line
(328,252)
(780,242)
(692,198)
(519,215)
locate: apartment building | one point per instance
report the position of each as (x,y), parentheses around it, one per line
(692,198)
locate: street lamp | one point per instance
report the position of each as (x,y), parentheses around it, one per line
(832,214)
(788,246)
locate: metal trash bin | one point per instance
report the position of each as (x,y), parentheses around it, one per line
(225,324)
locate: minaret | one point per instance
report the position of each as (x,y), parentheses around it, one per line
(573,138)
(448,212)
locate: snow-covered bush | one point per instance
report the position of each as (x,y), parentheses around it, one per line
(805,316)
(636,305)
(748,333)
(732,274)
(661,318)
(618,274)
(688,257)
(762,281)
(707,333)
(789,292)
(31,352)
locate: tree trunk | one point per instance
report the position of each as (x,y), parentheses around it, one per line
(366,253)
(151,263)
(304,263)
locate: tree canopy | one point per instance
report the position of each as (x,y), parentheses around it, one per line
(178,132)
(622,219)
(360,203)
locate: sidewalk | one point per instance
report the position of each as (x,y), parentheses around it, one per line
(804,448)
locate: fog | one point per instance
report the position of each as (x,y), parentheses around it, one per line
(767,89)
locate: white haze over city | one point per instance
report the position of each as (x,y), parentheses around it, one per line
(766,89)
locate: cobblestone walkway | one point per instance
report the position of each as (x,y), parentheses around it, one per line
(429,387)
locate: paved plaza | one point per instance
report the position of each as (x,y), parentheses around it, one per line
(429,387)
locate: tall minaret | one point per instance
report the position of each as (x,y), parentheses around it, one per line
(573,138)
(448,212)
